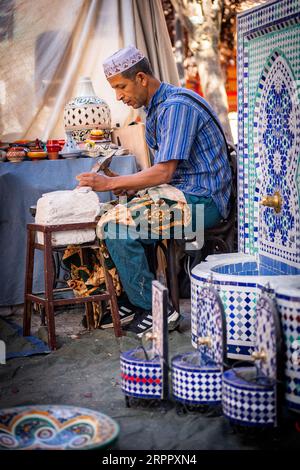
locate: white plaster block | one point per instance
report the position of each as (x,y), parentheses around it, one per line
(68,207)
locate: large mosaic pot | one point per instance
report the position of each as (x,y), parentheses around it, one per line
(252,396)
(288,302)
(86,112)
(196,380)
(141,378)
(197,377)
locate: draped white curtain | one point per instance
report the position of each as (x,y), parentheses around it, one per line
(46,46)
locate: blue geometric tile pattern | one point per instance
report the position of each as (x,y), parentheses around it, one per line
(267,336)
(277,148)
(140,378)
(239,303)
(210,324)
(248,403)
(197,377)
(265,267)
(196,383)
(269,134)
(289,309)
(250,395)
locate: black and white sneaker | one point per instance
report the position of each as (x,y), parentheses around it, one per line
(173,318)
(143,321)
(126,315)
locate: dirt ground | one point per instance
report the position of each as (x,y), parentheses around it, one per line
(85,372)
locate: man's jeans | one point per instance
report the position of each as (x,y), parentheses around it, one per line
(130,259)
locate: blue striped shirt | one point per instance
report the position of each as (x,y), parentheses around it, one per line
(179,129)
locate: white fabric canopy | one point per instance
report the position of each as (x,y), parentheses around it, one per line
(46,46)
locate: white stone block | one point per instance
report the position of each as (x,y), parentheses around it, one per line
(68,207)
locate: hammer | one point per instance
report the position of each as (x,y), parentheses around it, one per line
(102,164)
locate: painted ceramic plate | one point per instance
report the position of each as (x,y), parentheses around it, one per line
(55,427)
(74,154)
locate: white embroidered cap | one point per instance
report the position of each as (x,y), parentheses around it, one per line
(122,60)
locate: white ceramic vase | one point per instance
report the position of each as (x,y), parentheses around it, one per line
(86,112)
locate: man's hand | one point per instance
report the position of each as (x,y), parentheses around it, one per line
(123,192)
(160,173)
(95,181)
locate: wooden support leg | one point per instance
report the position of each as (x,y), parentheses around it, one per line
(28,282)
(88,306)
(113,300)
(49,308)
(89,313)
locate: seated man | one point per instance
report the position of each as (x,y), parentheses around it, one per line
(190,156)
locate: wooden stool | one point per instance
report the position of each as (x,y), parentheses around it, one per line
(49,299)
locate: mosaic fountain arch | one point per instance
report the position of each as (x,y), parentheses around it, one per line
(276,143)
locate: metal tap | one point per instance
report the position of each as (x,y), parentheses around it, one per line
(259,355)
(205,341)
(150,336)
(274,201)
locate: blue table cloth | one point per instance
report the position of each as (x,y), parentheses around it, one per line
(21,185)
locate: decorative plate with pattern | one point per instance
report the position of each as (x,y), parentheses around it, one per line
(55,427)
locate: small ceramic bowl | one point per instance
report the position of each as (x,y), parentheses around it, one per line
(55,427)
(37,155)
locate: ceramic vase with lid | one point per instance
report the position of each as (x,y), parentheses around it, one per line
(86,112)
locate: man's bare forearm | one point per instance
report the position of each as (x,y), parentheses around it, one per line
(158,174)
(144,179)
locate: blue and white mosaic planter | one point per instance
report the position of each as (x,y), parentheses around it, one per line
(288,301)
(195,381)
(197,377)
(246,403)
(140,378)
(252,396)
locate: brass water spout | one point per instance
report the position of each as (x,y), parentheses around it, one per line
(259,355)
(274,201)
(150,336)
(205,341)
